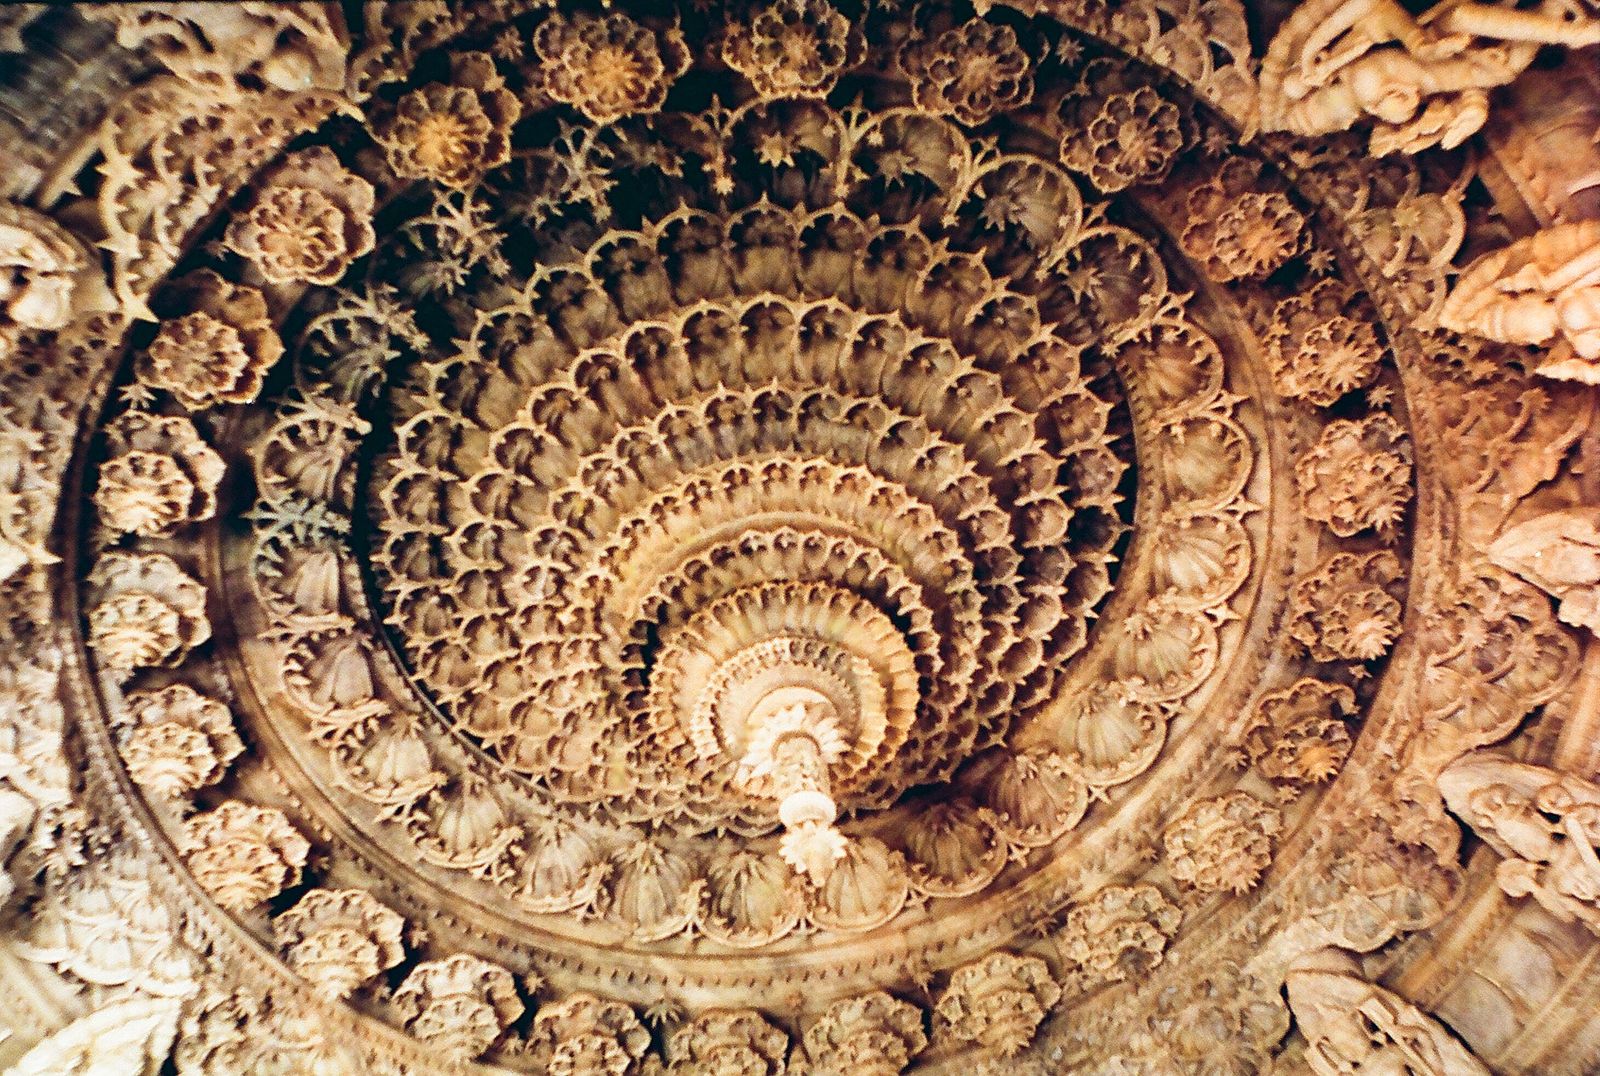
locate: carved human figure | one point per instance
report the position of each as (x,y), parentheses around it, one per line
(1355,1027)
(1546,824)
(1423,80)
(1542,289)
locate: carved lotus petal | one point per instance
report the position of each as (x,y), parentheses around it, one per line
(750,899)
(1202,558)
(652,890)
(1206,459)
(867,887)
(1165,651)
(1177,365)
(954,849)
(563,868)
(1036,797)
(1111,735)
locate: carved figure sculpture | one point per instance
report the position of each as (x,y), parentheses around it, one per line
(1540,290)
(1558,552)
(1422,80)
(1546,824)
(1355,1027)
(41,265)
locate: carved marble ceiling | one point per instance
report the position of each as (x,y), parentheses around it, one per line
(802,536)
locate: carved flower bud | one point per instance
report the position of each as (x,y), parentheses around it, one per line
(338,939)
(608,67)
(1223,843)
(452,133)
(218,346)
(459,1005)
(871,1035)
(725,1042)
(146,612)
(998,1002)
(311,220)
(243,854)
(180,740)
(588,1036)
(160,474)
(954,848)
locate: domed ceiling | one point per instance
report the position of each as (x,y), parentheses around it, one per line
(815,536)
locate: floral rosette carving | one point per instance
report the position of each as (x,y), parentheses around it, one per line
(725,1042)
(1346,609)
(215,343)
(177,740)
(1322,347)
(1119,933)
(1298,736)
(586,1034)
(244,854)
(970,71)
(146,612)
(998,1002)
(459,1005)
(1357,476)
(339,939)
(793,48)
(1118,135)
(452,132)
(1235,230)
(873,1035)
(1222,844)
(308,222)
(738,532)
(158,475)
(607,67)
